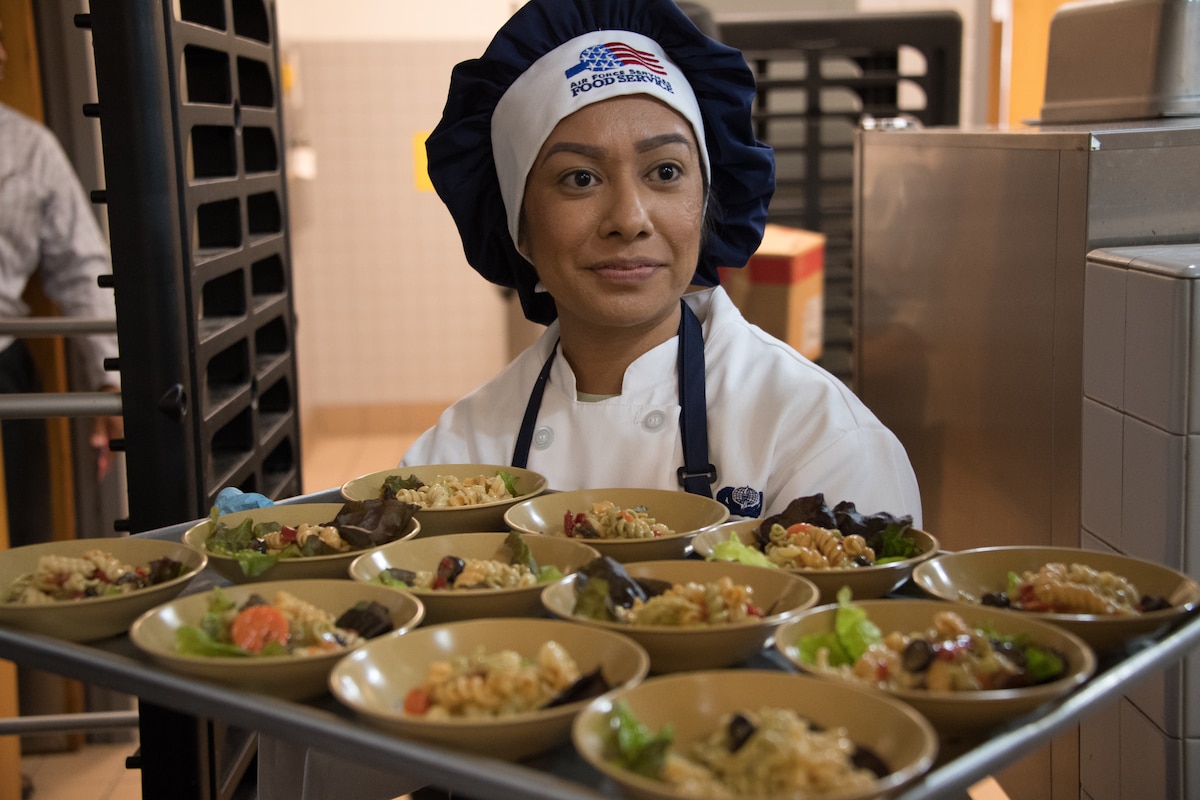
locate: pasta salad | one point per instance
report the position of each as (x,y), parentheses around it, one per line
(499,684)
(1073,589)
(948,656)
(448,491)
(752,753)
(604,590)
(513,568)
(97,573)
(607,520)
(285,625)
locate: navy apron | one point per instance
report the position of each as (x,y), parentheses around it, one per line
(697,474)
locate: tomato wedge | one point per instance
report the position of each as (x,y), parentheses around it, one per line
(416,702)
(253,627)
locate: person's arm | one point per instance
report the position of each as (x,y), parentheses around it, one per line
(74,254)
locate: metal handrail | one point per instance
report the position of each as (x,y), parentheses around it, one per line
(68,723)
(35,327)
(41,405)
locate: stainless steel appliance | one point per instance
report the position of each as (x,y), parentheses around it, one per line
(970,325)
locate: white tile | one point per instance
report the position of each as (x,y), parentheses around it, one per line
(1104,334)
(1160,698)
(1157,346)
(1100,471)
(1191,512)
(1151,761)
(1152,502)
(1100,753)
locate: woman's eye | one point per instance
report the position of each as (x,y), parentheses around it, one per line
(667,172)
(580,179)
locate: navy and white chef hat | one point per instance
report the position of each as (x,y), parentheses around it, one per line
(554,57)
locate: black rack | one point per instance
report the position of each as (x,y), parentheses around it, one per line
(191,121)
(192,132)
(818,77)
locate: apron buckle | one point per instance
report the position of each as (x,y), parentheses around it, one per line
(686,477)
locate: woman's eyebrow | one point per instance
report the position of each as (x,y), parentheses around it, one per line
(662,140)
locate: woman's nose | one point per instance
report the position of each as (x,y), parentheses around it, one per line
(627,213)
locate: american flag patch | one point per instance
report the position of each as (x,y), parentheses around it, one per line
(614,55)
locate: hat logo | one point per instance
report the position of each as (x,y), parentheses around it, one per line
(615,55)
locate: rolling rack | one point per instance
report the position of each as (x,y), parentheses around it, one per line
(818,78)
(189,105)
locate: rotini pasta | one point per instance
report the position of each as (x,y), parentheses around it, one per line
(949,656)
(767,752)
(1073,589)
(607,520)
(810,547)
(95,573)
(717,602)
(493,684)
(448,491)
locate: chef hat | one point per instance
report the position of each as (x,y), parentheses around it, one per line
(554,57)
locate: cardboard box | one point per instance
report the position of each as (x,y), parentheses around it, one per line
(782,288)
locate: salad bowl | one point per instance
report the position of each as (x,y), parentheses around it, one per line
(521,484)
(667,520)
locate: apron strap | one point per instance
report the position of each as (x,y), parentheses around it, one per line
(697,474)
(520,457)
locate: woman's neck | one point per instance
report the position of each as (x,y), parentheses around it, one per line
(599,357)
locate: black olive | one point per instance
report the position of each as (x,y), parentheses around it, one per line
(405,576)
(740,730)
(131,577)
(917,656)
(998,599)
(586,687)
(368,618)
(1153,603)
(653,586)
(254,600)
(865,758)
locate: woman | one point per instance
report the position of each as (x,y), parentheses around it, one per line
(599,159)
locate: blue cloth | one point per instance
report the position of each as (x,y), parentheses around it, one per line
(231,499)
(463,171)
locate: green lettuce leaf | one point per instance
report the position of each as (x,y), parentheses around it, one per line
(633,745)
(852,634)
(734,550)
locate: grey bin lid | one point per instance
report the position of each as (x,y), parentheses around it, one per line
(1123,59)
(1180,261)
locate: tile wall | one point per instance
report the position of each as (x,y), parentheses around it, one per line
(389,313)
(1140,486)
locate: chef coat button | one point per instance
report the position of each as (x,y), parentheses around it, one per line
(654,420)
(543,438)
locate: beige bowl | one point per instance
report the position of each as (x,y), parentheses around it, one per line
(93,618)
(375,680)
(965,576)
(287,569)
(781,596)
(952,711)
(446,606)
(695,702)
(287,677)
(460,519)
(864,582)
(686,514)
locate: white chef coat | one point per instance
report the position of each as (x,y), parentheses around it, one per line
(779,426)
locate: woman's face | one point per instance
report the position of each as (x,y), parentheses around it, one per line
(613,213)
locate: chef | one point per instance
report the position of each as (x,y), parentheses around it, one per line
(599,159)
